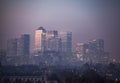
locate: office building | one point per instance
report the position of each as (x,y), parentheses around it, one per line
(12,47)
(66,42)
(81,51)
(96,47)
(23,45)
(40,39)
(52,41)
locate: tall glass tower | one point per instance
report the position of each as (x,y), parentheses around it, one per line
(40,39)
(66,42)
(23,45)
(12,47)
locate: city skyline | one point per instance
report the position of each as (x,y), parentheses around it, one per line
(53,46)
(86,19)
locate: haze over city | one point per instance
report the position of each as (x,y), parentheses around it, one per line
(85,19)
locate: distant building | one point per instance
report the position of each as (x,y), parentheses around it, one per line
(52,41)
(51,34)
(92,52)
(81,51)
(40,39)
(23,45)
(96,51)
(66,42)
(96,46)
(18,50)
(12,47)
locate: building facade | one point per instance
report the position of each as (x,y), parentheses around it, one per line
(81,51)
(12,47)
(23,45)
(52,41)
(92,52)
(66,42)
(40,39)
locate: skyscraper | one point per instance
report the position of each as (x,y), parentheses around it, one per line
(96,46)
(23,45)
(96,51)
(92,52)
(40,39)
(52,41)
(12,47)
(51,34)
(66,42)
(81,50)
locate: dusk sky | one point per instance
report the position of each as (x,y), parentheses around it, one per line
(86,19)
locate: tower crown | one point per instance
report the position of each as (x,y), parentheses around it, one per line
(41,28)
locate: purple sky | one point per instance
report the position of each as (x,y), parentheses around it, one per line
(87,19)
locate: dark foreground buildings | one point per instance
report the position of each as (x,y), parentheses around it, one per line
(36,74)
